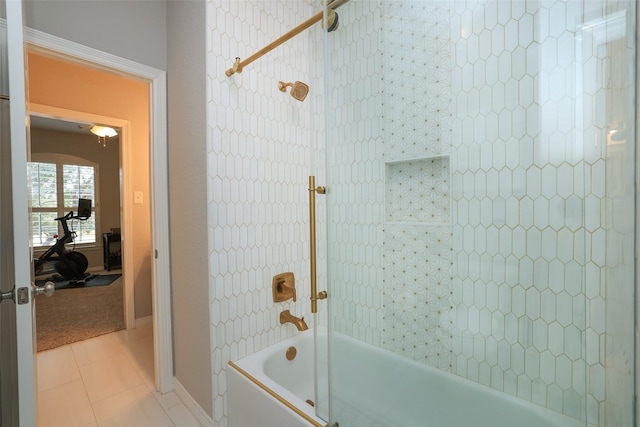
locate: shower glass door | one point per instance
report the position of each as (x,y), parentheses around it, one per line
(480,164)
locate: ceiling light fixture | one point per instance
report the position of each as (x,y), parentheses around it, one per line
(103,132)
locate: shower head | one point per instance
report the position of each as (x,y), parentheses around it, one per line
(299,90)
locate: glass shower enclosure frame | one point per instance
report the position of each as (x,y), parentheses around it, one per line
(480,207)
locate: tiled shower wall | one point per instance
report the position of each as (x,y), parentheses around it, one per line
(533,102)
(518,190)
(390,260)
(479,107)
(416,141)
(355,177)
(503,93)
(258,161)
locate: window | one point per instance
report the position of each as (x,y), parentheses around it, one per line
(56,186)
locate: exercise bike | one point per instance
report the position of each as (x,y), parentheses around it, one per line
(69,264)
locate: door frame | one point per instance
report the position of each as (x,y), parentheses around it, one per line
(161,279)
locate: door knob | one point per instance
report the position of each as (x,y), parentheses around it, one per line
(48,289)
(8,295)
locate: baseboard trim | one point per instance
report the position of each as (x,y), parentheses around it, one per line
(144,321)
(192,406)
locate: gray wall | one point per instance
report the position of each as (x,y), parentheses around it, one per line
(186,77)
(130,29)
(137,30)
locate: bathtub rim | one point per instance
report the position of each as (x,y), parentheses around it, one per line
(276,396)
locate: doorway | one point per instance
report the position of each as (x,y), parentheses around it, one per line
(156,256)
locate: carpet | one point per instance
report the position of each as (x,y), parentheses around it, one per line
(79,314)
(93,280)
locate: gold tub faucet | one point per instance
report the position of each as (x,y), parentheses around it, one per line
(287,317)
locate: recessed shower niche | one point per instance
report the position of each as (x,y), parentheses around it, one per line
(417,191)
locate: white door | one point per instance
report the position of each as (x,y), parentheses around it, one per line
(17,214)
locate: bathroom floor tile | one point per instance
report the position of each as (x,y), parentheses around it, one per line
(139,352)
(181,416)
(56,367)
(135,407)
(133,335)
(108,377)
(66,405)
(96,349)
(147,373)
(167,400)
(106,381)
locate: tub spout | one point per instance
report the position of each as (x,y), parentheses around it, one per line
(287,317)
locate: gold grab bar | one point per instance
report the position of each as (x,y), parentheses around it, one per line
(315,295)
(238,65)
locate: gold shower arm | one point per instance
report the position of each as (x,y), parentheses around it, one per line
(315,295)
(238,65)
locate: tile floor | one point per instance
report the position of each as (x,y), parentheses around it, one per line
(105,381)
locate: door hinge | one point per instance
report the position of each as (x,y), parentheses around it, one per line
(156,254)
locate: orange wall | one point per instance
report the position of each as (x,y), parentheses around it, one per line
(57,83)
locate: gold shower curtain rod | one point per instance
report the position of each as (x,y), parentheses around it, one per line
(239,65)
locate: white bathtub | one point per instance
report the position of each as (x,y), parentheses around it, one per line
(265,389)
(372,388)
